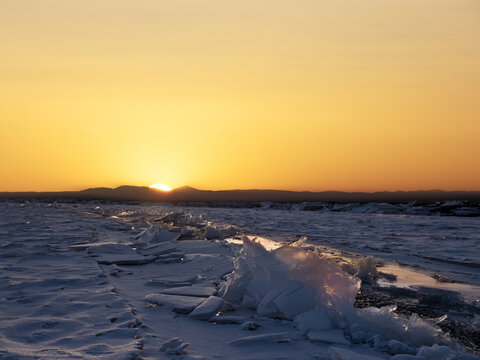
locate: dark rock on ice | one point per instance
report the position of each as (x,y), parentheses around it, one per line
(429,304)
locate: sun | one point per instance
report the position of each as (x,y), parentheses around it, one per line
(160,187)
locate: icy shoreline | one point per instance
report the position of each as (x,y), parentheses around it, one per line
(456,208)
(460,208)
(112,283)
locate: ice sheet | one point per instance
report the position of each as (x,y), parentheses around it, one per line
(60,300)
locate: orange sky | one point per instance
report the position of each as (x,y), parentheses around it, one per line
(300,95)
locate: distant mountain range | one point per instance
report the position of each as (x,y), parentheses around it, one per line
(189,194)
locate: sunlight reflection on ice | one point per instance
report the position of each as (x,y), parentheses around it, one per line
(268,244)
(409,278)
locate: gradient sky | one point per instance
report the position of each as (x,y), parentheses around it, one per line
(300,95)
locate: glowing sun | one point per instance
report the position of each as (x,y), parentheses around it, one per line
(160,187)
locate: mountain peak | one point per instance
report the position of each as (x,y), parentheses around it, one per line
(185,188)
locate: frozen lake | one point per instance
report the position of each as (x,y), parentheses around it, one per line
(446,244)
(103,281)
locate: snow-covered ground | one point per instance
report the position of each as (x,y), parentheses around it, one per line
(103,281)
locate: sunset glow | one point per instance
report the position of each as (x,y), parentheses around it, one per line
(297,95)
(160,187)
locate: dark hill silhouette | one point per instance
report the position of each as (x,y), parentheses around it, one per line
(189,194)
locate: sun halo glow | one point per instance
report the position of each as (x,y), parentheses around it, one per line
(160,187)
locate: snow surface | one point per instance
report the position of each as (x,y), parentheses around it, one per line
(103,281)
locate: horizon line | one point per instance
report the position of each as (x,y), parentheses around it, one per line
(241,189)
